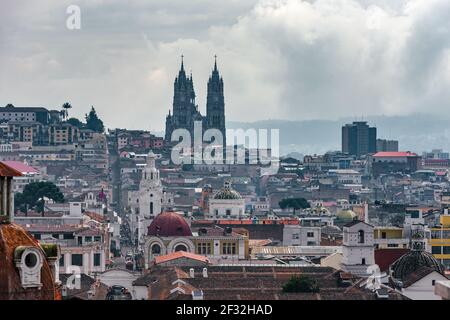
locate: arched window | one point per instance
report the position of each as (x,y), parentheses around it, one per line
(151,207)
(156,249)
(181,247)
(361,236)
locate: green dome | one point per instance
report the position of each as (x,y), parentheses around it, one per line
(227,193)
(346,215)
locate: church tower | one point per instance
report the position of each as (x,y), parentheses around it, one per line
(358,248)
(215,103)
(150,195)
(185,111)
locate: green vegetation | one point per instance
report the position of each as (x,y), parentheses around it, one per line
(93,122)
(50,249)
(33,196)
(301,284)
(65,110)
(294,203)
(75,122)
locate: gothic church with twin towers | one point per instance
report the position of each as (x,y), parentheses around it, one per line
(185,110)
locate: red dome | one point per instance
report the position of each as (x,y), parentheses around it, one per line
(12,237)
(169,224)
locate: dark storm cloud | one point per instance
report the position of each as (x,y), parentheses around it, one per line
(288,59)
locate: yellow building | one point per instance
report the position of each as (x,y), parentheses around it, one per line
(389,237)
(440,241)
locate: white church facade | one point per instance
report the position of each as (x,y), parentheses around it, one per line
(148,201)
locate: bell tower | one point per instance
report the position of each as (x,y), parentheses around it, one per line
(215,103)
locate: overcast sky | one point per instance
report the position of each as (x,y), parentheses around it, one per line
(280,59)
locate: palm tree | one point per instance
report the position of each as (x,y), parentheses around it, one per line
(66,106)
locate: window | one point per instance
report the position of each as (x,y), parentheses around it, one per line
(61,260)
(151,207)
(204,248)
(88,239)
(37,236)
(310,234)
(216,212)
(228,212)
(97,239)
(436,250)
(363,261)
(156,249)
(229,248)
(181,247)
(361,236)
(97,259)
(68,236)
(392,245)
(383,235)
(295,236)
(446,250)
(77,259)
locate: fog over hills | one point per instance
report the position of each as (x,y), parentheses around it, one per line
(418,132)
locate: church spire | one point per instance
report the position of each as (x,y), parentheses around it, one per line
(215,62)
(182,62)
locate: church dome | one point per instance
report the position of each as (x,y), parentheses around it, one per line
(413,261)
(20,252)
(347,215)
(169,224)
(227,193)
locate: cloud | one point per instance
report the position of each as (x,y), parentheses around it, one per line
(280,59)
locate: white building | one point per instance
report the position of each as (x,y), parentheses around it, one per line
(148,201)
(346,176)
(296,235)
(358,248)
(227,203)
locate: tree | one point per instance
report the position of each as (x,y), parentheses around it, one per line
(33,196)
(294,203)
(66,106)
(301,284)
(75,122)
(93,122)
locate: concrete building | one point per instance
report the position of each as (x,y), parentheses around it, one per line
(359,139)
(296,235)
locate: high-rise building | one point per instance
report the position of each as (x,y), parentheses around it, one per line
(384,145)
(185,111)
(359,139)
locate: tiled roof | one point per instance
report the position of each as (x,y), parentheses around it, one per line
(394,154)
(95,216)
(416,276)
(11,237)
(385,257)
(43,228)
(21,167)
(7,171)
(178,255)
(261,283)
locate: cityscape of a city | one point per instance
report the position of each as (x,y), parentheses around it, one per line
(90,210)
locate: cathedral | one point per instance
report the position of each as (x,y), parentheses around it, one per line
(185,110)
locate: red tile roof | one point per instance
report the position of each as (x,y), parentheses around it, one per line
(394,154)
(21,167)
(7,171)
(13,236)
(178,255)
(385,257)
